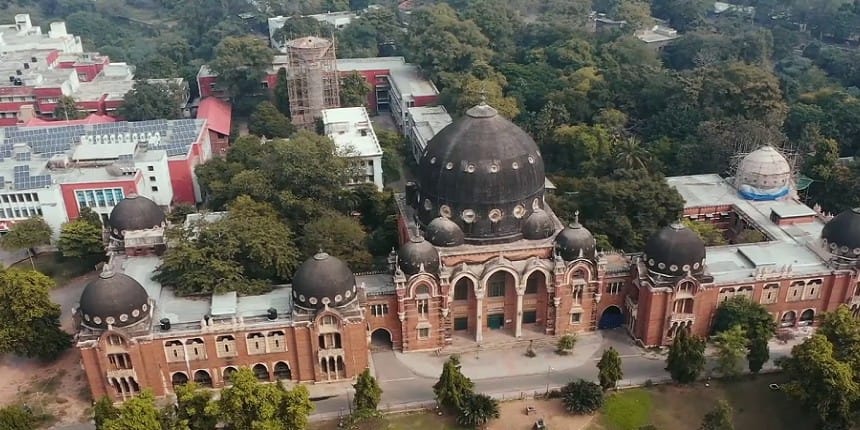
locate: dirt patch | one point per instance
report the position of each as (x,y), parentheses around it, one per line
(513,416)
(57,390)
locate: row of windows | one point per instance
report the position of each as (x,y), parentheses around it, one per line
(496,285)
(798,290)
(379,310)
(225,346)
(614,287)
(99,198)
(20,212)
(20,198)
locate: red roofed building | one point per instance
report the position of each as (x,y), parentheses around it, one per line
(218,116)
(90,119)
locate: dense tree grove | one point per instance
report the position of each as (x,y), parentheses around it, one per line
(29,320)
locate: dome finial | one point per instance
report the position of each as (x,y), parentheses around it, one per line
(483,93)
(107,271)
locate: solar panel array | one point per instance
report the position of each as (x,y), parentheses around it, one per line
(23,180)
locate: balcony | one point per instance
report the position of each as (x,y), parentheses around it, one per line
(122,373)
(681,317)
(331,353)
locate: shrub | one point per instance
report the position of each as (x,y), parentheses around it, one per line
(565,344)
(582,397)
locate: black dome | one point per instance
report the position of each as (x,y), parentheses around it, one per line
(675,250)
(575,242)
(444,232)
(538,225)
(113,299)
(134,213)
(842,234)
(483,172)
(323,280)
(417,253)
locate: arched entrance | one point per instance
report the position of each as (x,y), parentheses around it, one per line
(202,378)
(282,371)
(261,372)
(807,317)
(380,340)
(611,318)
(788,319)
(179,378)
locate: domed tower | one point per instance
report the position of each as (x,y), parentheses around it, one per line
(484,174)
(135,213)
(444,232)
(114,299)
(764,174)
(323,281)
(575,241)
(418,255)
(841,236)
(675,250)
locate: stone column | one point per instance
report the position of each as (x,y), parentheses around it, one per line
(479,316)
(518,331)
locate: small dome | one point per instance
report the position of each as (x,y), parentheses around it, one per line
(444,232)
(842,234)
(764,174)
(675,250)
(323,280)
(575,241)
(135,213)
(538,225)
(114,299)
(417,253)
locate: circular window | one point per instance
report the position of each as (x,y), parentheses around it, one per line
(445,211)
(686,267)
(338,298)
(844,249)
(495,215)
(326,300)
(135,313)
(301,297)
(433,160)
(494,168)
(833,246)
(312,300)
(348,294)
(123,317)
(696,266)
(857,251)
(531,160)
(536,204)
(673,268)
(470,168)
(468,215)
(651,262)
(661,266)
(427,204)
(519,211)
(449,166)
(97,320)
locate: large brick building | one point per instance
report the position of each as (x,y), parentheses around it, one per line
(482,258)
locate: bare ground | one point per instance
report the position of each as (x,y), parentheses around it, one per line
(513,416)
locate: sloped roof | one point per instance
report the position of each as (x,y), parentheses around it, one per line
(90,119)
(218,114)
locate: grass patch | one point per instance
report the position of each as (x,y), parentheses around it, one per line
(627,410)
(60,269)
(417,421)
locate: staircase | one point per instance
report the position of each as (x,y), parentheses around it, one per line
(498,345)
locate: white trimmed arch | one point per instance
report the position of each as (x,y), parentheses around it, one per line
(413,287)
(546,272)
(468,275)
(578,266)
(497,269)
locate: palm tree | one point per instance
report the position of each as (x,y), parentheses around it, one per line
(630,154)
(477,410)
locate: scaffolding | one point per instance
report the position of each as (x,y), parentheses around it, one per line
(312,79)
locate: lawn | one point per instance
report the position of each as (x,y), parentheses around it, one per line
(418,421)
(670,407)
(60,269)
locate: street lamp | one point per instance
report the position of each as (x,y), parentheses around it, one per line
(548,371)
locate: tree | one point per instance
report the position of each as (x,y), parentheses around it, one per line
(81,238)
(758,354)
(842,330)
(720,418)
(565,344)
(267,121)
(477,410)
(353,90)
(743,90)
(67,109)
(442,42)
(821,382)
(465,91)
(27,234)
(367,393)
(241,63)
(338,235)
(148,100)
(684,15)
(452,388)
(90,216)
(193,406)
(731,347)
(29,320)
(15,417)
(104,411)
(750,316)
(250,405)
(582,397)
(686,358)
(631,154)
(137,413)
(281,93)
(609,367)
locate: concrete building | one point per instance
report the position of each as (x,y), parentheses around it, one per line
(422,123)
(23,36)
(657,36)
(54,171)
(482,259)
(354,138)
(313,83)
(337,20)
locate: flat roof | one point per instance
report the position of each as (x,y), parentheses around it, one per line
(429,120)
(351,130)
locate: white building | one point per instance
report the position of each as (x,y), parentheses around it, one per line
(422,123)
(22,36)
(354,138)
(338,20)
(657,35)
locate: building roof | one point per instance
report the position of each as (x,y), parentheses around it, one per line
(90,119)
(135,213)
(113,299)
(323,281)
(217,113)
(22,35)
(352,132)
(429,121)
(658,33)
(405,77)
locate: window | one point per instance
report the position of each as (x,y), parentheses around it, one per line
(745,292)
(154,189)
(424,333)
(812,289)
(226,346)
(329,320)
(533,282)
(461,289)
(795,291)
(496,285)
(152,178)
(115,340)
(379,310)
(577,294)
(726,293)
(256,343)
(99,198)
(683,306)
(119,361)
(174,351)
(529,317)
(461,323)
(277,341)
(614,287)
(329,341)
(195,349)
(576,317)
(422,305)
(770,294)
(150,168)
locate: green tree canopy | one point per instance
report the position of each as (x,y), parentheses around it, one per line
(353,90)
(15,417)
(104,411)
(367,392)
(81,239)
(67,109)
(731,347)
(686,358)
(441,42)
(477,410)
(27,234)
(338,235)
(250,405)
(609,368)
(241,63)
(453,388)
(750,316)
(193,407)
(148,100)
(29,320)
(709,232)
(842,330)
(720,418)
(582,397)
(137,413)
(268,121)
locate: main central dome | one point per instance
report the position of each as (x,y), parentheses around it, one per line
(484,173)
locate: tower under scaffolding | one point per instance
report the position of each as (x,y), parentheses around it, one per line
(312,79)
